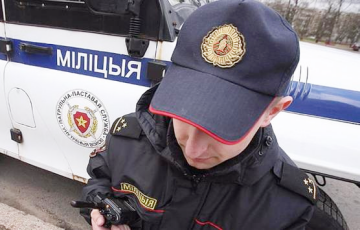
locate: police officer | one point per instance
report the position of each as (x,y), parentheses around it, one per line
(199,152)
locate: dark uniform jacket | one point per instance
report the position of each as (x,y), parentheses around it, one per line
(258,189)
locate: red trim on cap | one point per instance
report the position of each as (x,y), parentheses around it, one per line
(151,109)
(208,223)
(147,209)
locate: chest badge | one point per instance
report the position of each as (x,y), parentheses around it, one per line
(224,46)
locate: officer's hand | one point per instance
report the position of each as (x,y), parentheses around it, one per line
(97,222)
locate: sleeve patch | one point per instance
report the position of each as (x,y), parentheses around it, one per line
(127,126)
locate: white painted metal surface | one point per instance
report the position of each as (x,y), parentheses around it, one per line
(330,66)
(7,146)
(20,108)
(318,144)
(46,145)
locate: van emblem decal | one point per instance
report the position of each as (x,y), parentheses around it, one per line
(83,118)
(82,121)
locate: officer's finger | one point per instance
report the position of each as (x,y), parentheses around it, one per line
(97,220)
(120,227)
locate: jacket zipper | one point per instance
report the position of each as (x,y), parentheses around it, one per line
(201,204)
(195,179)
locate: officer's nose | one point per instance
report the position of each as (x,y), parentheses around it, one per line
(197,144)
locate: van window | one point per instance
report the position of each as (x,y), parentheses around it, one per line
(75,15)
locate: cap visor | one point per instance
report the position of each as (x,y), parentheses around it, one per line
(222,109)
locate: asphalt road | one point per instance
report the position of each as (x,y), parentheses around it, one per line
(40,193)
(47,196)
(23,221)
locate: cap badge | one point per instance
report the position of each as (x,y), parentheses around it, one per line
(223,46)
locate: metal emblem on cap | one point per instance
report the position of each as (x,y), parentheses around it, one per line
(224,46)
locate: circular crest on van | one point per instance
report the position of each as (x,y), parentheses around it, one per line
(83,118)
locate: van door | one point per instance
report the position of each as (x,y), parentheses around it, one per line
(7,146)
(70,77)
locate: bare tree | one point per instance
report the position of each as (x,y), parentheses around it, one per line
(353,28)
(303,19)
(291,11)
(334,22)
(278,5)
(336,16)
(323,23)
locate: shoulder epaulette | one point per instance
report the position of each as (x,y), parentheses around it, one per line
(296,180)
(127,126)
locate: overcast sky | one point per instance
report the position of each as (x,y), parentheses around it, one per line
(348,6)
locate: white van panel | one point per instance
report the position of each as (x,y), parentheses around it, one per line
(7,146)
(320,145)
(21,108)
(57,88)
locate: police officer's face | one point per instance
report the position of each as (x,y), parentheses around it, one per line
(201,150)
(204,152)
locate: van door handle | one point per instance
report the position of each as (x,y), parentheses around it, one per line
(33,49)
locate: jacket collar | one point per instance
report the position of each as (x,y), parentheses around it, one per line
(245,169)
(154,126)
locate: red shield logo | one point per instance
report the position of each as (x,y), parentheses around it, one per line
(82,121)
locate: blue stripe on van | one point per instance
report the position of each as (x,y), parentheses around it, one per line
(3,57)
(309,99)
(326,102)
(100,60)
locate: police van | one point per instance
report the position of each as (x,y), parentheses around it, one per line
(69,68)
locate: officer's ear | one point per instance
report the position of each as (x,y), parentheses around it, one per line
(279,104)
